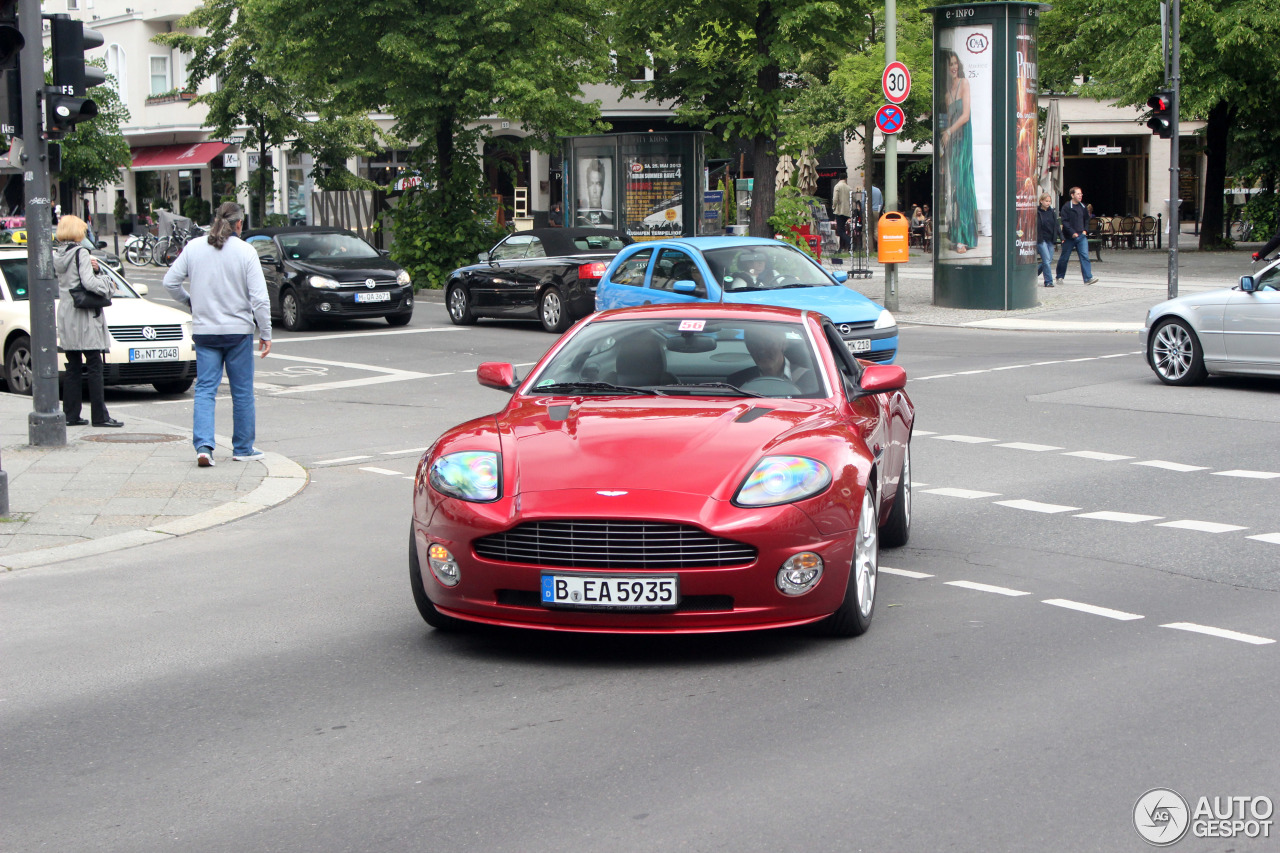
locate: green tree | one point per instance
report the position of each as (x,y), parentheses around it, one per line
(255,93)
(95,152)
(736,67)
(440,69)
(1229,71)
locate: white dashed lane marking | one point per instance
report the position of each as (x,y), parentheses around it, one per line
(985,587)
(906,573)
(383,471)
(967,494)
(402,452)
(1202,526)
(1251,475)
(1123,517)
(1094,454)
(1270,538)
(1171,466)
(1036,506)
(1034,448)
(342,459)
(1219,632)
(1091,608)
(964,439)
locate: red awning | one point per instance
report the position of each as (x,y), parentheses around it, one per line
(190,156)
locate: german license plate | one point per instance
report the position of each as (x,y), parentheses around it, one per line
(859,345)
(611,592)
(378,296)
(153,354)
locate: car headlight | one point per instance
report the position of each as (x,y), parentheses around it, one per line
(472,475)
(781,480)
(323,282)
(402,278)
(885,320)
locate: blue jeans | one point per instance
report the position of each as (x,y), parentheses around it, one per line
(1081,246)
(235,353)
(1046,261)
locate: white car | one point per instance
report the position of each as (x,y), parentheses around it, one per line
(150,343)
(1234,330)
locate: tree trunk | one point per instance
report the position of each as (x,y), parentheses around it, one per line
(262,180)
(1221,117)
(444,150)
(764,149)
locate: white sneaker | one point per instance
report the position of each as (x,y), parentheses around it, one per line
(248,457)
(205,459)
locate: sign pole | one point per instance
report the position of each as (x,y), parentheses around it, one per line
(890,152)
(1175,228)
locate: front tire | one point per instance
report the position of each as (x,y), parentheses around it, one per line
(897,529)
(428,611)
(17,366)
(1175,354)
(552,311)
(854,616)
(399,319)
(175,386)
(291,312)
(459,304)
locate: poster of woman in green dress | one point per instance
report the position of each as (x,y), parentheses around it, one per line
(964,145)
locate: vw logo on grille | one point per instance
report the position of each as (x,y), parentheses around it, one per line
(370,283)
(149,333)
(845,328)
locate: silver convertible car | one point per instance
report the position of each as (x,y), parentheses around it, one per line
(1235,330)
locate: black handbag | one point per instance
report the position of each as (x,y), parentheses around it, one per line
(86,299)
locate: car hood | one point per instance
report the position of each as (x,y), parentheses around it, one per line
(1207,298)
(839,303)
(355,269)
(143,312)
(705,447)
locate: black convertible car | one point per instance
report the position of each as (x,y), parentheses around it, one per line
(316,272)
(546,274)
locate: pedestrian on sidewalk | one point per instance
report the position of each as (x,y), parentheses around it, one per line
(228,299)
(82,332)
(841,207)
(1046,236)
(1075,219)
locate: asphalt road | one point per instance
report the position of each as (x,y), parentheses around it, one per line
(1080,616)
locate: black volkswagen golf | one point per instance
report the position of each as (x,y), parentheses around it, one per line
(317,272)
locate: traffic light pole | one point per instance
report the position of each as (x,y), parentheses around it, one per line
(1175,227)
(45,424)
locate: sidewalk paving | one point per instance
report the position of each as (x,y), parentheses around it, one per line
(112,489)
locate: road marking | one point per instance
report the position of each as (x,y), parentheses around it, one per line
(1022,445)
(906,573)
(1270,538)
(982,587)
(1094,454)
(1036,506)
(1010,367)
(410,450)
(1042,363)
(1090,608)
(1171,466)
(922,432)
(309,339)
(1126,517)
(964,439)
(1252,475)
(1202,526)
(968,494)
(383,471)
(342,459)
(389,374)
(972,372)
(935,376)
(1219,632)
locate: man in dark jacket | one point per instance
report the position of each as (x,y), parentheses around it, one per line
(1271,246)
(1046,234)
(1075,219)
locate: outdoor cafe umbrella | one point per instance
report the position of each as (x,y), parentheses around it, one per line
(786,168)
(1051,154)
(808,181)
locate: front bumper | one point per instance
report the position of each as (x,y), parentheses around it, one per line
(342,303)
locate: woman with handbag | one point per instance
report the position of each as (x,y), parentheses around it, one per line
(82,327)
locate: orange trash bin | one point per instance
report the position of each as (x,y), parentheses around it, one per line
(893,234)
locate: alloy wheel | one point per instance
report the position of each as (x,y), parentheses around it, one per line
(1173,351)
(552,309)
(866,554)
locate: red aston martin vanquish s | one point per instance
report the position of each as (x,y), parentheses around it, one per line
(667,469)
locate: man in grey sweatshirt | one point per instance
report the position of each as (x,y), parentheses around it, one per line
(228,298)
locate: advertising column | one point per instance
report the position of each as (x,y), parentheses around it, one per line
(985,131)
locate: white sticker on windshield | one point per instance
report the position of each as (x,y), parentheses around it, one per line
(692,325)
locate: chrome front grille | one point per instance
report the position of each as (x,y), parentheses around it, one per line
(136,334)
(598,544)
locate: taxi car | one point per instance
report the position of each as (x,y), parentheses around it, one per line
(150,343)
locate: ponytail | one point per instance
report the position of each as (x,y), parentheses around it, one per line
(223,223)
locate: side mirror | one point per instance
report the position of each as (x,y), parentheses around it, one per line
(840,275)
(879,378)
(269,260)
(497,374)
(484,258)
(139,288)
(685,285)
(386,253)
(1247,284)
(102,244)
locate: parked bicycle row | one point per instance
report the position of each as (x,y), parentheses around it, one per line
(163,247)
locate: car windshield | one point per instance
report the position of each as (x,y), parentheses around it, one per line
(15,275)
(755,268)
(325,247)
(714,358)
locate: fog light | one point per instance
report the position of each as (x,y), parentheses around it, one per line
(325,306)
(443,566)
(800,574)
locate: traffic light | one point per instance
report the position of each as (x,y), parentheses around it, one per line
(1161,121)
(66,103)
(11,42)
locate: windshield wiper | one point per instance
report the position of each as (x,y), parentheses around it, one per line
(608,387)
(726,386)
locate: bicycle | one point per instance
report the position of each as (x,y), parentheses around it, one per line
(1241,230)
(167,249)
(138,250)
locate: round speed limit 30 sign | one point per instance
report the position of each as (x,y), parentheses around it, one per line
(896,82)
